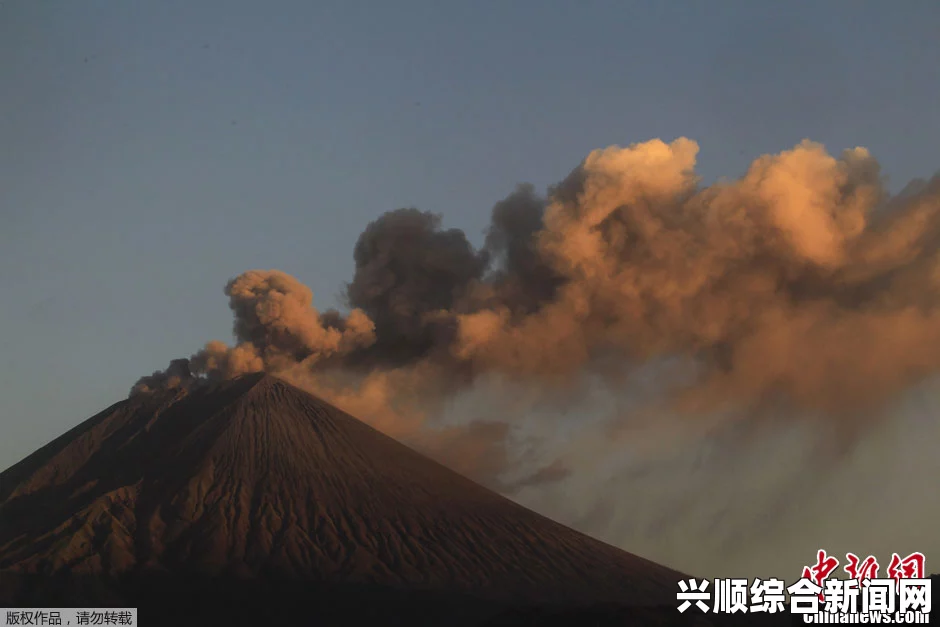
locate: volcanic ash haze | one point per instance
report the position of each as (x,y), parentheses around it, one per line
(612,332)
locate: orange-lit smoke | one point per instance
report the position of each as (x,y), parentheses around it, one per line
(802,284)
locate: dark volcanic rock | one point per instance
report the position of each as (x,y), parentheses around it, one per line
(227,499)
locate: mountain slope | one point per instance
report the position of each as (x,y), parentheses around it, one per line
(256,480)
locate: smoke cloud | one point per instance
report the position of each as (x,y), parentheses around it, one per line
(783,283)
(409,274)
(627,306)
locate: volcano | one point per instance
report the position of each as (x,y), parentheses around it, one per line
(253,501)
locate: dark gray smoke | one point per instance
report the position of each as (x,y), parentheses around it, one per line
(521,280)
(409,274)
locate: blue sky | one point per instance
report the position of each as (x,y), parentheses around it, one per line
(151,151)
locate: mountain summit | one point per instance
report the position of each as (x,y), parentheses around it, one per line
(253,481)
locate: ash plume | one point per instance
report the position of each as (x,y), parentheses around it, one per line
(801,292)
(520,279)
(409,274)
(177,375)
(782,284)
(277,326)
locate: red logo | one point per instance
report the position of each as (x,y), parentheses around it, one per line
(910,567)
(825,565)
(867,569)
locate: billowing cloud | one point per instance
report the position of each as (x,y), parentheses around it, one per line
(801,293)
